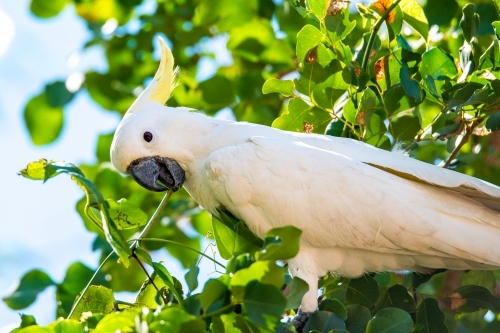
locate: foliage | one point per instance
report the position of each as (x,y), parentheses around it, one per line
(428,82)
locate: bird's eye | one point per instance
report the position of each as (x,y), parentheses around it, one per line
(148,136)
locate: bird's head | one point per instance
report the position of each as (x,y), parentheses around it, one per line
(141,144)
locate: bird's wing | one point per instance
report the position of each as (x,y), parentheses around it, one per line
(341,202)
(406,167)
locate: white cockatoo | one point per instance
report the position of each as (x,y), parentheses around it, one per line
(361,209)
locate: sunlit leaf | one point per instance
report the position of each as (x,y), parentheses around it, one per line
(307,38)
(281,243)
(300,113)
(414,15)
(264,303)
(97,299)
(233,237)
(284,87)
(438,64)
(125,214)
(266,272)
(43,121)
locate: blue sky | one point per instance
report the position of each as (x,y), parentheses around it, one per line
(39,226)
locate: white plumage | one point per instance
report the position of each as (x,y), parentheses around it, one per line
(361,209)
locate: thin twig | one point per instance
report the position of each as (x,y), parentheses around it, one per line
(180,244)
(465,139)
(149,276)
(153,219)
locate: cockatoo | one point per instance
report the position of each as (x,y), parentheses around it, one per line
(361,209)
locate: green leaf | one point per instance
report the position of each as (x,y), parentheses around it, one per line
(164,274)
(339,26)
(217,92)
(43,121)
(27,320)
(375,128)
(325,55)
(233,323)
(334,306)
(326,93)
(410,86)
(175,320)
(47,8)
(143,256)
(473,298)
(284,87)
(281,243)
(307,38)
(414,15)
(396,296)
(31,284)
(363,291)
(297,289)
(350,111)
(36,329)
(493,122)
(438,64)
(431,86)
(266,272)
(323,322)
(468,93)
(318,7)
(192,277)
(430,318)
(469,22)
(68,326)
(57,94)
(97,299)
(404,127)
(335,128)
(233,237)
(298,114)
(390,320)
(357,318)
(125,214)
(215,296)
(117,322)
(491,57)
(396,100)
(264,303)
(148,295)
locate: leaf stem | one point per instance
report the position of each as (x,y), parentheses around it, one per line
(91,216)
(374,32)
(88,285)
(153,219)
(185,246)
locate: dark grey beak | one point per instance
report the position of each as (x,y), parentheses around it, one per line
(157,173)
